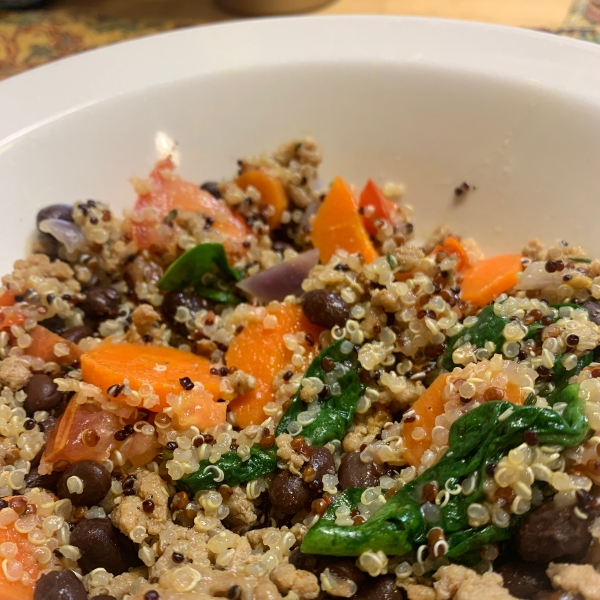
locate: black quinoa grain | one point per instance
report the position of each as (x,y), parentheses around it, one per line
(120,435)
(234,592)
(288,375)
(114,390)
(531,438)
(328,363)
(572,339)
(177,557)
(171,446)
(186,383)
(490,468)
(551,266)
(148,506)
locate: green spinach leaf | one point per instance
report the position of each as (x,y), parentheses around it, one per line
(192,267)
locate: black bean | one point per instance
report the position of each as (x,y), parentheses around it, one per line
(42,393)
(54,324)
(342,567)
(64,212)
(212,187)
(321,460)
(353,472)
(59,585)
(190,300)
(325,308)
(380,588)
(76,334)
(304,562)
(100,303)
(103,546)
(524,579)
(96,482)
(47,482)
(549,533)
(288,493)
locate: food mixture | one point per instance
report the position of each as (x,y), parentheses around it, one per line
(262,389)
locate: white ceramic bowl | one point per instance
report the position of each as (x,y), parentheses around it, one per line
(427,102)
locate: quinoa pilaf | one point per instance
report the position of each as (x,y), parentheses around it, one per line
(261,389)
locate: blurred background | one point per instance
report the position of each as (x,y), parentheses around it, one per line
(33,32)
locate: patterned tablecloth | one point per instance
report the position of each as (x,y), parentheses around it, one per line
(34,37)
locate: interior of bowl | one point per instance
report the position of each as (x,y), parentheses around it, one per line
(411,111)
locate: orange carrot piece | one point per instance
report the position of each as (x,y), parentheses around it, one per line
(168,191)
(109,364)
(452,245)
(271,190)
(262,353)
(65,442)
(338,226)
(489,278)
(43,342)
(18,590)
(430,406)
(372,196)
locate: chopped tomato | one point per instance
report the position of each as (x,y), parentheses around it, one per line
(43,342)
(65,442)
(376,206)
(168,191)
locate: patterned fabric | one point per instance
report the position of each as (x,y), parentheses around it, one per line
(34,37)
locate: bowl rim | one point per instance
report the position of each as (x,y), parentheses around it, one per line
(44,94)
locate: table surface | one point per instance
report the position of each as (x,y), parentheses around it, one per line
(524,13)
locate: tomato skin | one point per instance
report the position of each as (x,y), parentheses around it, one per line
(166,192)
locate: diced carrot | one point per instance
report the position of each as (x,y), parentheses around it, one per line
(271,190)
(65,442)
(426,410)
(43,345)
(23,588)
(109,364)
(262,353)
(338,225)
(7,298)
(452,245)
(168,191)
(489,278)
(377,206)
(429,406)
(199,408)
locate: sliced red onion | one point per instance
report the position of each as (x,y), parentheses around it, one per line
(282,280)
(65,232)
(535,277)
